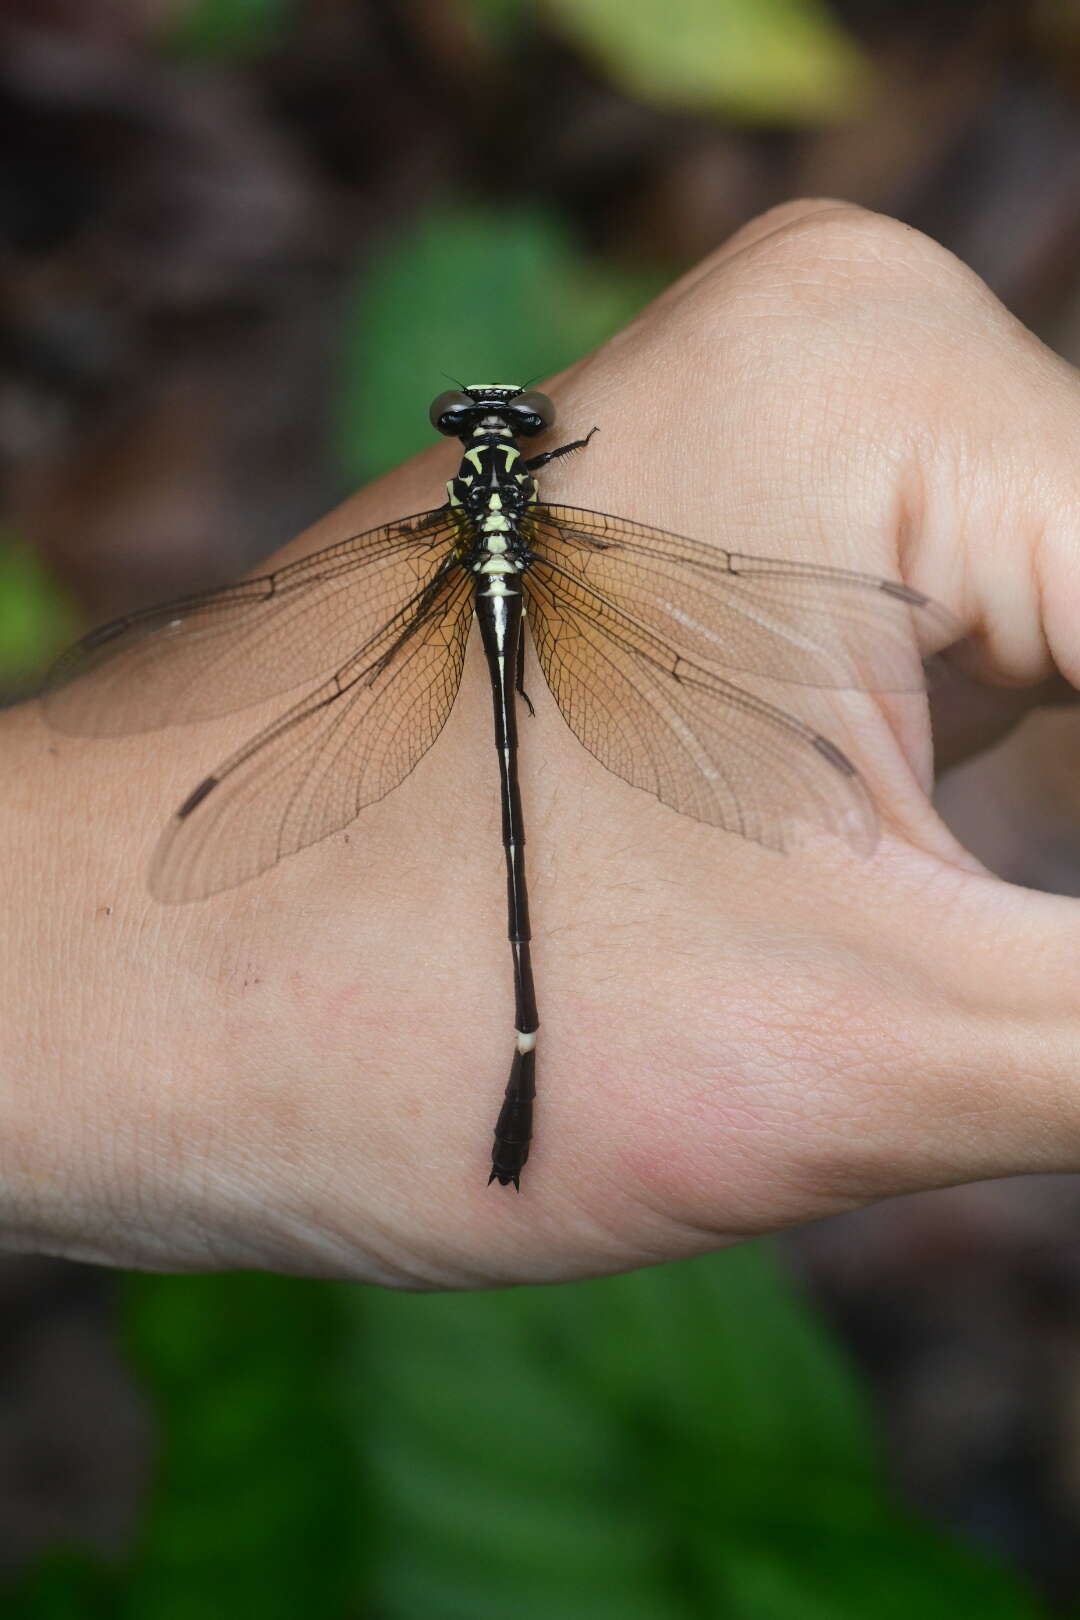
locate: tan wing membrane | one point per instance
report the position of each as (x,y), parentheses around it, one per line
(679,731)
(312,771)
(223,650)
(796,622)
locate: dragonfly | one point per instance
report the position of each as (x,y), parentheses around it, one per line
(637,631)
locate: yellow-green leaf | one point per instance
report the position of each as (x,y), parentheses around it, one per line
(36,619)
(780,61)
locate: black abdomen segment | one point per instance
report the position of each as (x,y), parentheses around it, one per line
(498,610)
(513,1128)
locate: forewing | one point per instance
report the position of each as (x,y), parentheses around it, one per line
(219,651)
(695,740)
(313,770)
(797,622)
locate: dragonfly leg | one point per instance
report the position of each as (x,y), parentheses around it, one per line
(519,681)
(564,450)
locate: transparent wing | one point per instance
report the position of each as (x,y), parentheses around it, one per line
(797,622)
(699,743)
(222,650)
(346,745)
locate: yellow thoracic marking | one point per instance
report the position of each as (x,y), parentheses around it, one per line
(494,522)
(450,492)
(474,457)
(467,479)
(511,452)
(495,503)
(494,543)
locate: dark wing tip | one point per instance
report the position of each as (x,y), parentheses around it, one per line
(196,797)
(904,593)
(835,756)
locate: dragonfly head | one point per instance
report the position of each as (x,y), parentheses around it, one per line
(492,408)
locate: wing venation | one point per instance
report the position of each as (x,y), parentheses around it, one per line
(218,651)
(802,623)
(310,773)
(698,742)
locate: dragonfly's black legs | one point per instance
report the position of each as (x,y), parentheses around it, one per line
(498,609)
(519,679)
(563,450)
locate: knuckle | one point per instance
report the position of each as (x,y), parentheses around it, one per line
(844,240)
(795,214)
(830,291)
(805,255)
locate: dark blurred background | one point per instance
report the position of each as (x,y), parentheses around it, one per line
(240,241)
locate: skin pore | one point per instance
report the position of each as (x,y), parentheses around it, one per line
(302,1074)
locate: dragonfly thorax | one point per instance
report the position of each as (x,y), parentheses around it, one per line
(492,490)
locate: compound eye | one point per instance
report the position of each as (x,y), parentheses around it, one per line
(532,413)
(448,412)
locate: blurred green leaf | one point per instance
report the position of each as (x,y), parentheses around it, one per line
(36,619)
(476,294)
(685,1443)
(259,1509)
(782,61)
(227,28)
(505,1482)
(68,1584)
(681,1442)
(891,1570)
(500,23)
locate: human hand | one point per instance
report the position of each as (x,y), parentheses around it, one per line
(302,1074)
